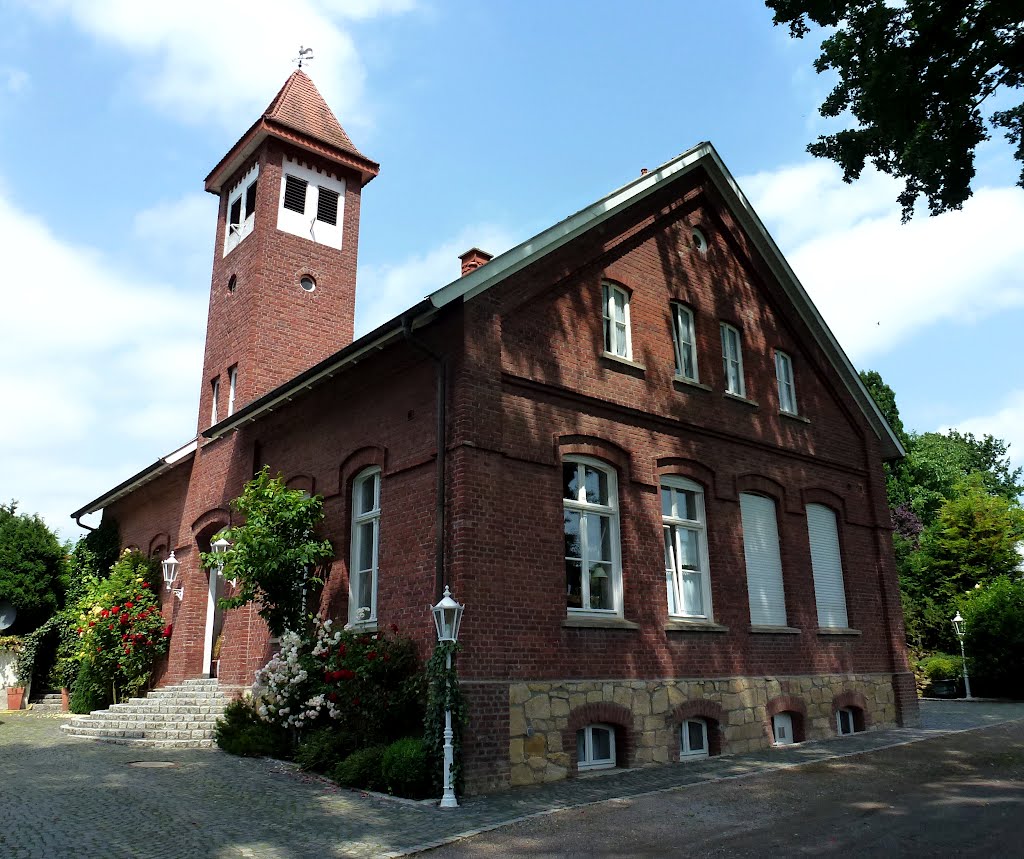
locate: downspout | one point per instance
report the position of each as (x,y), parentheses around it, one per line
(441,366)
(81,524)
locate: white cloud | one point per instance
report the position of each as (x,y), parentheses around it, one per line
(88,347)
(13,80)
(220,62)
(877,281)
(1007,423)
(386,290)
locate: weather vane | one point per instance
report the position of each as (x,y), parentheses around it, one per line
(305,55)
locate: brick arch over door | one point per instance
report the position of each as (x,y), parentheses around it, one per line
(305,482)
(699,708)
(208,524)
(787,704)
(605,713)
(858,703)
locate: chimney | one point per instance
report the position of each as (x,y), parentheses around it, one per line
(473,259)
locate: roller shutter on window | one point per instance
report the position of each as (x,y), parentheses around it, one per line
(827,565)
(764,564)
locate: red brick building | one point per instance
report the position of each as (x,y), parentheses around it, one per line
(630,445)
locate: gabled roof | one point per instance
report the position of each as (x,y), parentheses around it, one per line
(703,156)
(298,114)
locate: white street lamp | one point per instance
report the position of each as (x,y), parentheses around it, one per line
(447,618)
(170,570)
(959,627)
(219,548)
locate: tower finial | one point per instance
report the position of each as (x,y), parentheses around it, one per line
(305,55)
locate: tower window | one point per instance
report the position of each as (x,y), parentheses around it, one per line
(327,206)
(233,283)
(241,209)
(232,388)
(295,194)
(307,283)
(215,395)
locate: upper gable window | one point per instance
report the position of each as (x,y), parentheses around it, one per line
(241,209)
(784,375)
(732,360)
(311,204)
(685,342)
(615,310)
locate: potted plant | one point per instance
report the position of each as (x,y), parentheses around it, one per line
(942,672)
(10,653)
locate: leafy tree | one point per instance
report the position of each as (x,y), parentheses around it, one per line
(885,399)
(916,76)
(275,554)
(32,563)
(994,616)
(105,545)
(972,541)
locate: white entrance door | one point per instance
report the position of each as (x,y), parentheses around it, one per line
(212,623)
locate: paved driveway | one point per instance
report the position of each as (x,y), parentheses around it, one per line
(65,797)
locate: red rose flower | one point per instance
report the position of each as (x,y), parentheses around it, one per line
(328,676)
(125,620)
(104,613)
(386,657)
(356,702)
(371,655)
(347,674)
(110,626)
(99,649)
(332,696)
(341,650)
(92,623)
(145,584)
(114,609)
(129,605)
(168,629)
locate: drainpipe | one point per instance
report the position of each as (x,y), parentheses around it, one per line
(441,366)
(81,524)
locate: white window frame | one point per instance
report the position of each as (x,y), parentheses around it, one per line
(785,720)
(763,562)
(685,751)
(215,392)
(784,376)
(305,224)
(360,518)
(587,762)
(586,508)
(847,711)
(732,359)
(614,339)
(673,525)
(232,388)
(827,566)
(684,340)
(235,233)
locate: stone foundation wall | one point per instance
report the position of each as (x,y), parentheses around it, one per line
(544,717)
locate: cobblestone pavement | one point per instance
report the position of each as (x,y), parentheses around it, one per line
(65,797)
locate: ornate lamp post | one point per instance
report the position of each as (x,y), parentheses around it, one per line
(219,547)
(447,618)
(959,627)
(170,570)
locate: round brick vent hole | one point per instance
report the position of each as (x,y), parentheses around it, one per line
(152,764)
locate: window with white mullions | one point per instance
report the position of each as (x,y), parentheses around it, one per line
(595,747)
(686,552)
(784,375)
(693,739)
(732,360)
(685,342)
(846,722)
(591,527)
(241,209)
(232,388)
(365,547)
(615,311)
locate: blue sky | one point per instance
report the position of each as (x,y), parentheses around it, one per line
(490,121)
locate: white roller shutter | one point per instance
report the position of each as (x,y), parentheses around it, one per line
(829,592)
(764,565)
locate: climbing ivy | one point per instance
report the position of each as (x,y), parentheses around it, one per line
(444,693)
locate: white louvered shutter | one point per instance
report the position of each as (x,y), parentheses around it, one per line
(829,592)
(764,565)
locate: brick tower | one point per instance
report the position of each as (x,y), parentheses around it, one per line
(284,265)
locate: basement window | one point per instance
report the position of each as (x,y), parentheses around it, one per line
(693,739)
(595,747)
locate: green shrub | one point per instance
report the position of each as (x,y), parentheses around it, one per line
(361,769)
(404,768)
(241,732)
(323,749)
(994,622)
(941,666)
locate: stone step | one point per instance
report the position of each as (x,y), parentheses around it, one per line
(145,708)
(145,742)
(135,734)
(115,725)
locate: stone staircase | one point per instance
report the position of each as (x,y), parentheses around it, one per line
(47,702)
(181,716)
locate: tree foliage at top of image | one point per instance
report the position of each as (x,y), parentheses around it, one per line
(32,567)
(917,77)
(275,553)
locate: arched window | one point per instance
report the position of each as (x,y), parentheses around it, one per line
(686,547)
(595,747)
(362,601)
(763,560)
(693,739)
(593,572)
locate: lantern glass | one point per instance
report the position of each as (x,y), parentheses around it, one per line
(958,625)
(170,569)
(447,617)
(220,546)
